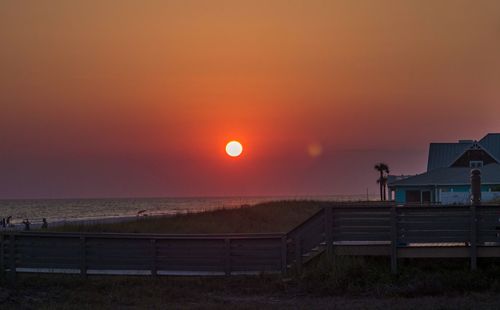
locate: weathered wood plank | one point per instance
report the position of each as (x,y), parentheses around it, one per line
(83,256)
(118,267)
(124,236)
(473,237)
(284,255)
(436,232)
(161,264)
(276,259)
(362,250)
(434,226)
(370,229)
(298,254)
(49,265)
(263,246)
(273,254)
(347,236)
(394,240)
(49,252)
(198,267)
(23,259)
(432,240)
(118,254)
(12,258)
(260,268)
(2,253)
(382,218)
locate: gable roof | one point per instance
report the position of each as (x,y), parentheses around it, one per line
(487,157)
(442,155)
(490,174)
(491,142)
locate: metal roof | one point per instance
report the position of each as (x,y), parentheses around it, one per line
(490,174)
(442,155)
(491,142)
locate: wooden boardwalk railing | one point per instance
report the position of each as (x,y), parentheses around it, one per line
(140,254)
(370,230)
(399,232)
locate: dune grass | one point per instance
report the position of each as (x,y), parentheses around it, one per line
(278,216)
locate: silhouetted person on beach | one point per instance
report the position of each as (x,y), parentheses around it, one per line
(4,223)
(27,224)
(45,225)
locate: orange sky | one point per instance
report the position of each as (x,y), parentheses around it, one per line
(137,98)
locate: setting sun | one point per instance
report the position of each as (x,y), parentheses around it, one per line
(234,149)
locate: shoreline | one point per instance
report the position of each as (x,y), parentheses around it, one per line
(71,210)
(37,225)
(102,220)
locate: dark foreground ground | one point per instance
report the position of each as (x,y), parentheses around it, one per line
(348,283)
(244,293)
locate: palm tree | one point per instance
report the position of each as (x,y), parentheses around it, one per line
(382,168)
(382,181)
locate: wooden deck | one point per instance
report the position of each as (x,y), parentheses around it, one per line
(399,232)
(394,231)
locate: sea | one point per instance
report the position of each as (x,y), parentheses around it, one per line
(112,209)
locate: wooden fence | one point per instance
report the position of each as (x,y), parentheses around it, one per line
(399,232)
(394,231)
(140,254)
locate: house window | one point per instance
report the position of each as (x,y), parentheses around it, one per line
(413,196)
(476,163)
(495,188)
(426,196)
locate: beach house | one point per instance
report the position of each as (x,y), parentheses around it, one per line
(447,179)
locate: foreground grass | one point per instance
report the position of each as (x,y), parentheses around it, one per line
(278,216)
(417,277)
(346,283)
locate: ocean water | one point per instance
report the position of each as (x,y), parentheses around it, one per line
(71,210)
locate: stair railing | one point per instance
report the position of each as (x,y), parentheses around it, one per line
(306,238)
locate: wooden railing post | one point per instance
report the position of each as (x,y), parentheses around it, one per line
(329,231)
(227,260)
(298,254)
(283,255)
(12,259)
(394,240)
(83,256)
(2,254)
(473,237)
(153,257)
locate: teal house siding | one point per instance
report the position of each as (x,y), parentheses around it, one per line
(463,188)
(400,196)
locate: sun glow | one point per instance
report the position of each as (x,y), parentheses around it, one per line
(234,148)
